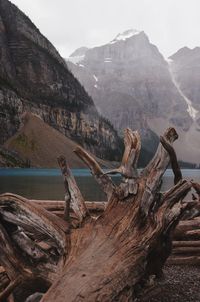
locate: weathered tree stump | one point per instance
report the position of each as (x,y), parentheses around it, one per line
(105,258)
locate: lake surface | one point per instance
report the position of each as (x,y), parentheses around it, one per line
(48,183)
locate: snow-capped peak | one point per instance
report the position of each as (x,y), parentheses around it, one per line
(126,35)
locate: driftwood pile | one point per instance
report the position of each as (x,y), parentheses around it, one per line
(103,252)
(186,239)
(186,243)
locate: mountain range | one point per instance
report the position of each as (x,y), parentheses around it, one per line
(134,86)
(93,95)
(35,78)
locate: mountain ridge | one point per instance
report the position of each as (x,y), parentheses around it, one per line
(132,85)
(35,78)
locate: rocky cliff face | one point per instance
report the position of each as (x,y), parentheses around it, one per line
(185,65)
(185,71)
(132,85)
(34,77)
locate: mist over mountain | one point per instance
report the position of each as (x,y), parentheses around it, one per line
(35,78)
(134,86)
(124,83)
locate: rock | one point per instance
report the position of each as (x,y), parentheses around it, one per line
(35,297)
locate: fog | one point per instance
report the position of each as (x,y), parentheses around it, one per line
(170,24)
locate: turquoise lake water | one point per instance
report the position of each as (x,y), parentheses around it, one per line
(48,184)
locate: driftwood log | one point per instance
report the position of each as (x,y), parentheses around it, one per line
(104,258)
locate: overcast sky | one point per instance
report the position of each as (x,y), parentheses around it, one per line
(69,24)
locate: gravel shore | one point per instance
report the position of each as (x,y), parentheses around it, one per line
(180,284)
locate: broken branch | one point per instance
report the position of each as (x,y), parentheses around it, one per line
(103,180)
(73,194)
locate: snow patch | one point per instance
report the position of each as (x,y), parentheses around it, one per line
(191,110)
(169,61)
(95,86)
(125,35)
(96,79)
(81,65)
